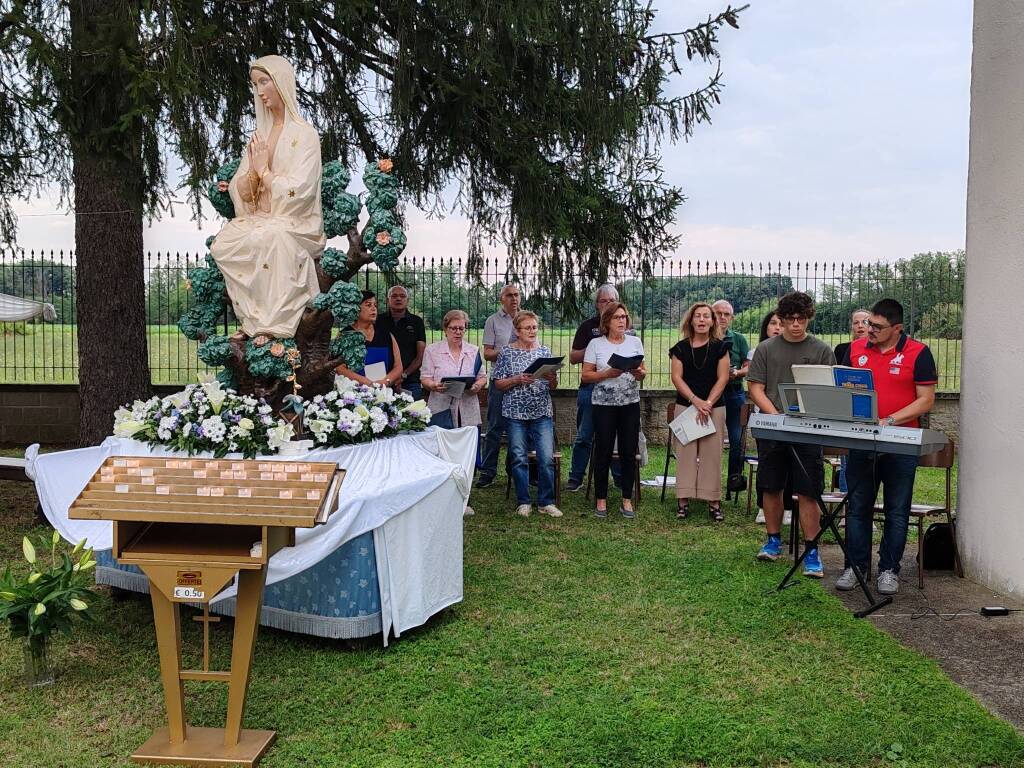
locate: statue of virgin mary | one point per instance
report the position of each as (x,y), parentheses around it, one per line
(266,253)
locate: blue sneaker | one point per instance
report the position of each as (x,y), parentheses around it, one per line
(813,569)
(772,549)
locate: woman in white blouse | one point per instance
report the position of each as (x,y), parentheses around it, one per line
(453,357)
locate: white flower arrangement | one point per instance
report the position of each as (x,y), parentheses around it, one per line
(204,418)
(355,413)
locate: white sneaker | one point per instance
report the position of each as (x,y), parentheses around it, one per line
(523,510)
(468,511)
(888,583)
(550,509)
(847,581)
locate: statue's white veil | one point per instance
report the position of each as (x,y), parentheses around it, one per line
(283,75)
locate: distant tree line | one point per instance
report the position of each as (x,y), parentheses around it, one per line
(930,286)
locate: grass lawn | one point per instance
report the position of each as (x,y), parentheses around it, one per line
(580,642)
(49,354)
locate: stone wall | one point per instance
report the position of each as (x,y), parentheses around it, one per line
(49,414)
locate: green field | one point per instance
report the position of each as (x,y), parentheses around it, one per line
(48,354)
(580,642)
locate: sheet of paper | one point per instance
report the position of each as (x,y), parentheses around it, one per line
(454,389)
(376,371)
(544,370)
(686,428)
(813,374)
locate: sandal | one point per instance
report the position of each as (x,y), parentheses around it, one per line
(716,514)
(682,511)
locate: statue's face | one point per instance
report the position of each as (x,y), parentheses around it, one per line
(266,91)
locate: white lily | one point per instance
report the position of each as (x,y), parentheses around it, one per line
(128,428)
(279,435)
(178,399)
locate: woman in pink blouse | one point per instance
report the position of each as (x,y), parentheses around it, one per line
(453,357)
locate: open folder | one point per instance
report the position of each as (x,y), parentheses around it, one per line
(686,428)
(456,386)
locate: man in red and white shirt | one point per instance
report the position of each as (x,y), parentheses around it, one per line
(904,373)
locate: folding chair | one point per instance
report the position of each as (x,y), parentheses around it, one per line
(670,414)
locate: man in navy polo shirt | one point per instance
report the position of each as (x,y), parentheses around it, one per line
(905,376)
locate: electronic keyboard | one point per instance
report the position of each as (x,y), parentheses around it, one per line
(908,441)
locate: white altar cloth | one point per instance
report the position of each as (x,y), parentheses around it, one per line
(410,490)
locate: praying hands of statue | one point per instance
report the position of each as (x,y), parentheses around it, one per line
(259,154)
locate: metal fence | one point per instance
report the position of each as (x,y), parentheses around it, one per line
(930,286)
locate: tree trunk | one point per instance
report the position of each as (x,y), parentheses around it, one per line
(113,364)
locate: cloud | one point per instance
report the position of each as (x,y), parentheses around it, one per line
(842,131)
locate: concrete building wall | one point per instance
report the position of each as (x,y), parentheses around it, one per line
(991,527)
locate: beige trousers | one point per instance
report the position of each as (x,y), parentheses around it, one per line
(699,464)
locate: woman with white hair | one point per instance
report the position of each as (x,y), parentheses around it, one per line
(453,357)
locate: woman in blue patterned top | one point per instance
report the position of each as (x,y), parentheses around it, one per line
(526,405)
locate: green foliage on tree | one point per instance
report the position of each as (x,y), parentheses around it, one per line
(921,283)
(548,118)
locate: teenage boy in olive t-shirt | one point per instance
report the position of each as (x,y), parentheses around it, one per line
(771,366)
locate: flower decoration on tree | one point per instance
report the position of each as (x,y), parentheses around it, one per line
(350,346)
(384,165)
(221,201)
(343,299)
(340,208)
(269,361)
(209,293)
(215,350)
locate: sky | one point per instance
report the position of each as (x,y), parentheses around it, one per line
(841,137)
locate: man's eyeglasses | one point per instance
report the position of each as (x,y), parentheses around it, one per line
(878,326)
(793,319)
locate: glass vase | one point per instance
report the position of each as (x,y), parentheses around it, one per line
(38,670)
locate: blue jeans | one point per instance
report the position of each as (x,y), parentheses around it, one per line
(585,437)
(496,427)
(896,473)
(539,433)
(733,405)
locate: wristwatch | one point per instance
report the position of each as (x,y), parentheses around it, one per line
(889,421)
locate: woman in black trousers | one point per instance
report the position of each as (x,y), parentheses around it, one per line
(616,400)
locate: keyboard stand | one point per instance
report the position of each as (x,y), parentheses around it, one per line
(829,524)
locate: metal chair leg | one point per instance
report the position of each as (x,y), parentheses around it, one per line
(664,475)
(920,553)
